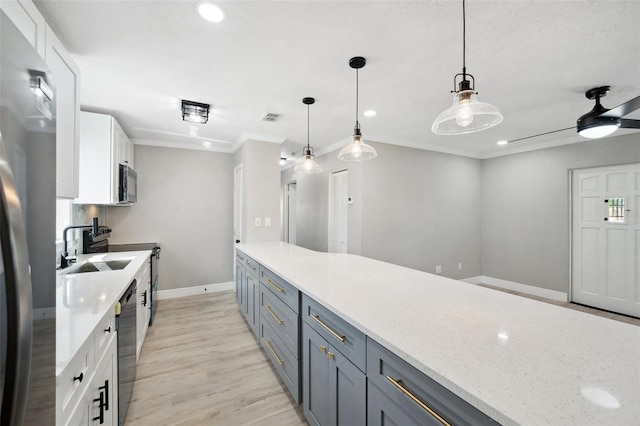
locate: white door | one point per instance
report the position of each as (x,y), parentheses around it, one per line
(290,212)
(338,203)
(606,238)
(237,211)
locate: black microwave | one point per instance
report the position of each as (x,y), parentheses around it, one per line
(127,185)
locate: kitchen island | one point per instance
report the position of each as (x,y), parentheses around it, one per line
(517,360)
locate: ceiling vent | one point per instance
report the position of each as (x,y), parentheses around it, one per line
(270,116)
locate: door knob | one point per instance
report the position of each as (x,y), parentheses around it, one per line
(237,241)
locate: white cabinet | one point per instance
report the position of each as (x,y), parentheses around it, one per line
(26,17)
(103,147)
(66,78)
(143,279)
(67,82)
(87,390)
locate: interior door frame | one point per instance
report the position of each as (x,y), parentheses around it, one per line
(330,207)
(237,204)
(284,213)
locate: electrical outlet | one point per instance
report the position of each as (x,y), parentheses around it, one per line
(267,221)
(258,222)
(460,266)
(439,269)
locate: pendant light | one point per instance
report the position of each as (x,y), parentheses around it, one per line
(307,164)
(467,114)
(357,150)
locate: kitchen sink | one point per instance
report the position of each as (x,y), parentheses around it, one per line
(100,266)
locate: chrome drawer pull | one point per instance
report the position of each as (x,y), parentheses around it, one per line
(398,384)
(250,265)
(273,314)
(326,327)
(281,362)
(279,289)
(242,258)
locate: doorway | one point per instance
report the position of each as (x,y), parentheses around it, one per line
(290,217)
(338,211)
(605,244)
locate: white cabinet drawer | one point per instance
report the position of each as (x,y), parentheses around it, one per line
(74,380)
(103,332)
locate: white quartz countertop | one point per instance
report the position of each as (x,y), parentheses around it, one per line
(82,300)
(518,360)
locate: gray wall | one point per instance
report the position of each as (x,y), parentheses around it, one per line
(412,207)
(261,189)
(185,201)
(525,208)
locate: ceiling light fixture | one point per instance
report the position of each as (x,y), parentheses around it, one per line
(600,121)
(357,150)
(210,11)
(467,114)
(592,125)
(369,113)
(195,112)
(307,164)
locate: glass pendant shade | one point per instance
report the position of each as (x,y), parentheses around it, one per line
(357,151)
(307,164)
(466,115)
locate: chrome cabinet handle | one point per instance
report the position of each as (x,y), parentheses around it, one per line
(268,307)
(249,265)
(279,289)
(281,362)
(398,384)
(342,338)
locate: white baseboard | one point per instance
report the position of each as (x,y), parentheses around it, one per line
(44,313)
(524,288)
(193,291)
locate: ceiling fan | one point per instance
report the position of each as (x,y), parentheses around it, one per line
(600,121)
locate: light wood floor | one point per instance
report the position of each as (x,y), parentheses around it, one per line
(201,365)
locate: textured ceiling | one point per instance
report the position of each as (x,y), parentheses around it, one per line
(533,60)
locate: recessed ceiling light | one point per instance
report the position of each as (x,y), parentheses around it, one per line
(502,142)
(369,113)
(210,11)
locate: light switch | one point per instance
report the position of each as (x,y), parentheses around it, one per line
(258,222)
(267,221)
(439,269)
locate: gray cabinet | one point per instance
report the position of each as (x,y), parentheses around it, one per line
(334,390)
(241,296)
(400,394)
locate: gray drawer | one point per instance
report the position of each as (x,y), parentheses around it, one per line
(282,289)
(251,265)
(240,257)
(413,393)
(340,334)
(287,366)
(281,318)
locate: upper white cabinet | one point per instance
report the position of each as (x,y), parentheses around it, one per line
(103,146)
(25,16)
(67,81)
(66,78)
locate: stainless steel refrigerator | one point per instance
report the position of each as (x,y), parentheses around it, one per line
(27,232)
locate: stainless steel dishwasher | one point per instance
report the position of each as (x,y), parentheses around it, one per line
(126,325)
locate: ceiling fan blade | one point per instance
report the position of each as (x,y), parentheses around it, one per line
(629,124)
(623,109)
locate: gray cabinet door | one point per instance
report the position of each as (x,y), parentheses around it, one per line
(315,378)
(334,389)
(239,280)
(253,299)
(348,391)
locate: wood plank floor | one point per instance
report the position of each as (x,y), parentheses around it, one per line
(201,365)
